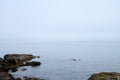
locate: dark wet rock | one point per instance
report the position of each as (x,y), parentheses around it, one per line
(2,69)
(13,62)
(18,58)
(105,76)
(33,63)
(75,59)
(32,78)
(6,76)
(3,64)
(14,69)
(24,69)
(25,77)
(18,79)
(38,56)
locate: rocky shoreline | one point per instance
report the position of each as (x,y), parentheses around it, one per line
(13,62)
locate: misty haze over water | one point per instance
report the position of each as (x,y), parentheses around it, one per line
(56,58)
(59,31)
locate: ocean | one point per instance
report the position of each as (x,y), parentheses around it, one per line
(58,62)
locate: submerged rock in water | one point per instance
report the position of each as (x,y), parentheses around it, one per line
(34,78)
(6,76)
(18,79)
(33,63)
(105,76)
(24,69)
(75,59)
(38,56)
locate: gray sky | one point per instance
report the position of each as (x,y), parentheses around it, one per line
(64,20)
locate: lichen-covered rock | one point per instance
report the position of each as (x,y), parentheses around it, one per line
(6,76)
(105,76)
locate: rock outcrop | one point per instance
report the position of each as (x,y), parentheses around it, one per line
(6,76)
(18,58)
(105,76)
(3,65)
(13,62)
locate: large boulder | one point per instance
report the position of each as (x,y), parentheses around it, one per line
(13,62)
(105,76)
(18,58)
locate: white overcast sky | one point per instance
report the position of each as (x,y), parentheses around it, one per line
(60,19)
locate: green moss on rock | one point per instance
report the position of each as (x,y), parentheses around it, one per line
(105,76)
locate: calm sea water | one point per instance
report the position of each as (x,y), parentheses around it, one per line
(56,58)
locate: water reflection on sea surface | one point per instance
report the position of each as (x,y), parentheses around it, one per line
(57,59)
